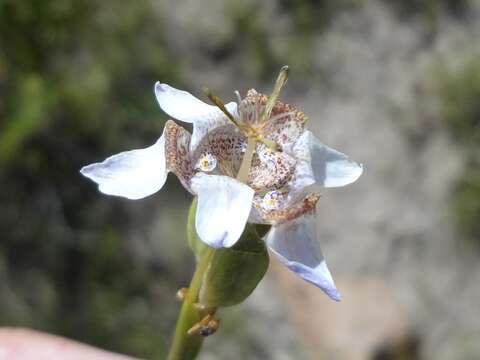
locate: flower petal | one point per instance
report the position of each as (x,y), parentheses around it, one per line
(223,208)
(295,243)
(330,168)
(227,144)
(183,106)
(131,174)
(178,158)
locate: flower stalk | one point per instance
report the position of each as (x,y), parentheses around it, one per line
(223,277)
(186,346)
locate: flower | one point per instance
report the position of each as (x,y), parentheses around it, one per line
(246,161)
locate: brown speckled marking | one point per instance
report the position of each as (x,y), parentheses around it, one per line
(227,144)
(270,169)
(281,129)
(301,207)
(177,143)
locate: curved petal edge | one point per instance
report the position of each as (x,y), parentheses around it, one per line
(296,246)
(183,106)
(330,168)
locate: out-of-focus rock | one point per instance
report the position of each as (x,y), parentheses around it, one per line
(368,320)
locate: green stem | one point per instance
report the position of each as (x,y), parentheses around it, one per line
(184,346)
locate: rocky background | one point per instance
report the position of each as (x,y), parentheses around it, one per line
(394,84)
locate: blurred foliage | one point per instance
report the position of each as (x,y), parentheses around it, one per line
(258,45)
(429,9)
(310,18)
(466,205)
(76,80)
(254,43)
(459,93)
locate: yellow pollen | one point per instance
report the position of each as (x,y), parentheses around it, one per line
(271,202)
(203,164)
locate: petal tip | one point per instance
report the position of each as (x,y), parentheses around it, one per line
(87,171)
(334,294)
(222,242)
(359,171)
(159,87)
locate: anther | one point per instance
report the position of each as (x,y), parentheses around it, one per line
(219,103)
(281,81)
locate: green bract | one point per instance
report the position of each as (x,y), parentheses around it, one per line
(232,273)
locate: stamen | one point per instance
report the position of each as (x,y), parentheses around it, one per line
(219,103)
(279,116)
(247,161)
(281,80)
(245,128)
(239,98)
(269,143)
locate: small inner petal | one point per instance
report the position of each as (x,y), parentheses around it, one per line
(271,170)
(207,162)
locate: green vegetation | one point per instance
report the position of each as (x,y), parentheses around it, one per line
(429,8)
(459,93)
(466,205)
(72,92)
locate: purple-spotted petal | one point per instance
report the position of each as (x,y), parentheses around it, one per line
(295,243)
(223,208)
(183,106)
(132,174)
(330,168)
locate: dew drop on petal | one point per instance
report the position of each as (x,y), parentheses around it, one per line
(271,200)
(207,162)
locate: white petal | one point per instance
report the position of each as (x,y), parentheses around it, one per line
(295,243)
(183,106)
(302,178)
(223,208)
(131,174)
(330,168)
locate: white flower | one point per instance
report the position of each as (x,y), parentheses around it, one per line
(250,162)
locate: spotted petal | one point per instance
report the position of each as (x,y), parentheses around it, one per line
(285,124)
(131,174)
(223,208)
(295,243)
(183,106)
(330,168)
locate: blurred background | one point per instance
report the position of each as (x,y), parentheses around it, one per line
(393,83)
